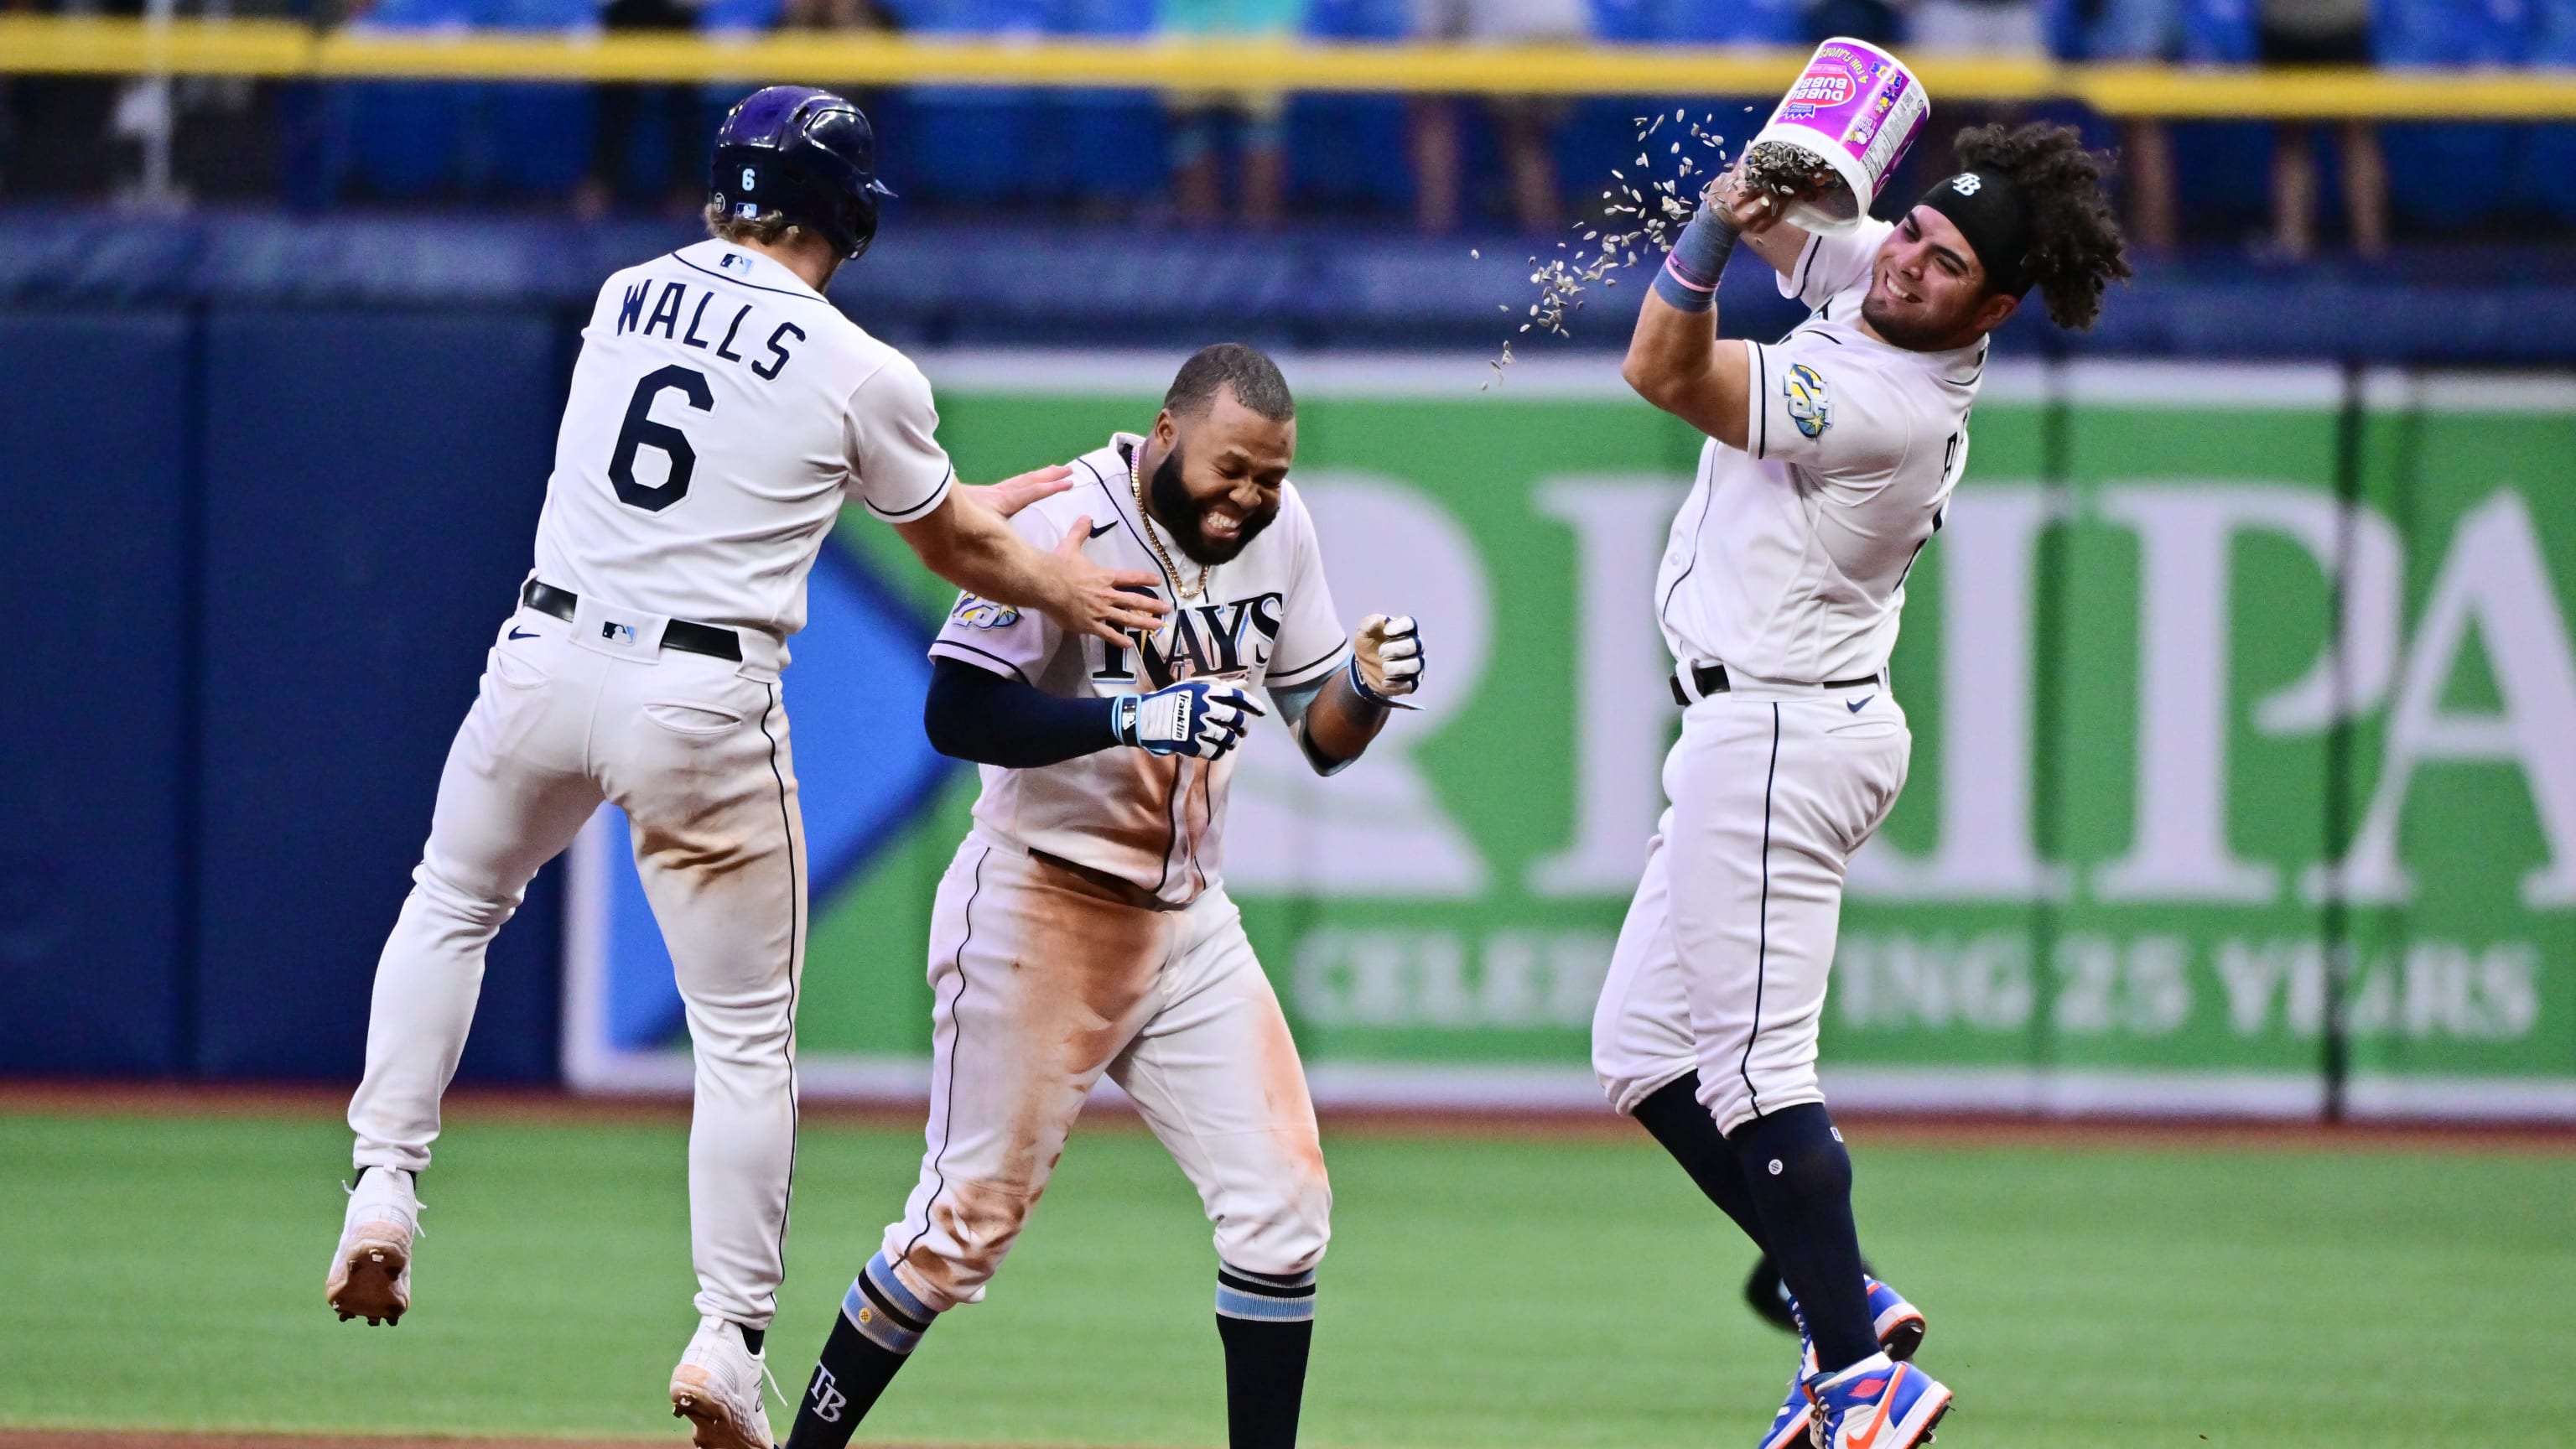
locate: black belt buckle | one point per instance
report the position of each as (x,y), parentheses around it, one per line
(1707,678)
(1711,679)
(679,634)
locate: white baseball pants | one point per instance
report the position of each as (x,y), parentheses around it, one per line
(695,751)
(1722,961)
(1041,980)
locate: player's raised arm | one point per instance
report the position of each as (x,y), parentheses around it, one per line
(972,547)
(1675,360)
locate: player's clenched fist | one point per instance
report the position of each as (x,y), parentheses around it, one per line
(1193,718)
(1386,658)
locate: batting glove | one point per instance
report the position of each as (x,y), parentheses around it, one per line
(1386,659)
(1193,718)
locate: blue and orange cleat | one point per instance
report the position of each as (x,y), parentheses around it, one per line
(1898,1324)
(1900,1328)
(1876,1403)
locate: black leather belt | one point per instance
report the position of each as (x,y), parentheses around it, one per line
(1711,679)
(679,634)
(1125,892)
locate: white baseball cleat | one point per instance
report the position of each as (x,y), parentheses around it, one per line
(371,1273)
(717,1389)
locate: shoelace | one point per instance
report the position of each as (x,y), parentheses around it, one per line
(775,1391)
(418,1228)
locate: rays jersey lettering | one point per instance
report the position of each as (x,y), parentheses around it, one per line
(1209,641)
(721,413)
(1788,559)
(1267,621)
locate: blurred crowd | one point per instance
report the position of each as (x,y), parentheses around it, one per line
(1228,156)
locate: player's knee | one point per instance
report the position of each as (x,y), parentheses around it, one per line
(1734,1101)
(1728,1100)
(972,1227)
(1283,1231)
(479,904)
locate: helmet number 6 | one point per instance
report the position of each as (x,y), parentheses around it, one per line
(641,431)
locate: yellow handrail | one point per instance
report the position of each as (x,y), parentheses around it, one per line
(51,45)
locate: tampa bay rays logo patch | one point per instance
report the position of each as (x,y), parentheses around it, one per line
(1804,387)
(1967,183)
(979,613)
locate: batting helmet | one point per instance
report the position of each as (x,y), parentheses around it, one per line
(806,154)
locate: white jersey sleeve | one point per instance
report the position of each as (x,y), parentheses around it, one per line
(897,468)
(1312,643)
(1829,265)
(1819,405)
(1003,638)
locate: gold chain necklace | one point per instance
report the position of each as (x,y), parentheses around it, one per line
(1136,485)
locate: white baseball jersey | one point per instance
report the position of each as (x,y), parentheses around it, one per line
(721,412)
(1266,621)
(1788,559)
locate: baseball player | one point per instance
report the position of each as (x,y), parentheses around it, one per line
(1083,926)
(721,413)
(1831,456)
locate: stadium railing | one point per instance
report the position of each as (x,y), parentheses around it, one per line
(286,50)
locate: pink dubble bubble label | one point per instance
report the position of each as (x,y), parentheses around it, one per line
(1856,109)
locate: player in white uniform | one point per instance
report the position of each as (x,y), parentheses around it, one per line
(1084,926)
(1831,456)
(721,413)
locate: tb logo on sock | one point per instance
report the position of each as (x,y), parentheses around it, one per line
(827,1396)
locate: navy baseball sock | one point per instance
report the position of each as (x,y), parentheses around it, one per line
(879,1325)
(1678,1121)
(1266,1322)
(1801,1179)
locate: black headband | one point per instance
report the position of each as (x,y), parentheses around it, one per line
(1988,210)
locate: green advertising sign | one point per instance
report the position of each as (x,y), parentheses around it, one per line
(2245,736)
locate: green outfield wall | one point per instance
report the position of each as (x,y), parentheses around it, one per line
(2244,770)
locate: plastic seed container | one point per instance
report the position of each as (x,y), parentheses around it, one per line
(1856,110)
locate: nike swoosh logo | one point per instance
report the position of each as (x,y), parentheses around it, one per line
(1855,705)
(1104,528)
(523,633)
(1886,1402)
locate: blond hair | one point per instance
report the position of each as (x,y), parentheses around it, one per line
(767,227)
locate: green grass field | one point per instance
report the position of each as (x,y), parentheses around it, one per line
(1480,1292)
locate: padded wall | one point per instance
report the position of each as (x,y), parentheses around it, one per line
(372,483)
(94,588)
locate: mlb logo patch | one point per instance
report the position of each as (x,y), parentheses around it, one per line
(621,635)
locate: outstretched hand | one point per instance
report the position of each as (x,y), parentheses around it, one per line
(1103,603)
(1013,494)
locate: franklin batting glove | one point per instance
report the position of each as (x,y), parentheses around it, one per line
(1193,718)
(1386,659)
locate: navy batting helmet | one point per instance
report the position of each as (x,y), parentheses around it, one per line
(806,154)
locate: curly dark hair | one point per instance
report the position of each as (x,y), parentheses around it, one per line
(2076,247)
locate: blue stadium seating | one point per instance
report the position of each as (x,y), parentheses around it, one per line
(2548,172)
(405,139)
(532,141)
(2475,162)
(963,145)
(1738,22)
(1102,147)
(2217,32)
(1347,153)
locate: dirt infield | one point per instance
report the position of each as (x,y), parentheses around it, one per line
(1926,1130)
